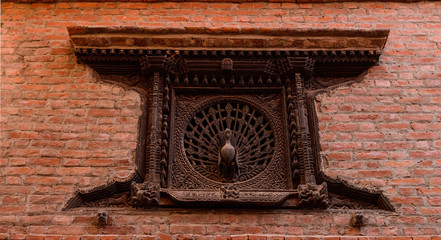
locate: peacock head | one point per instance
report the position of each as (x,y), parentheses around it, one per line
(227,133)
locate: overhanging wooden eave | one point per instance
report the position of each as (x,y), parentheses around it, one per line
(330,52)
(228,38)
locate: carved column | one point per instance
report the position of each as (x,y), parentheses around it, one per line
(148,192)
(303,138)
(310,194)
(155,96)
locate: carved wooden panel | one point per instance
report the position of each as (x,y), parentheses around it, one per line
(258,139)
(230,126)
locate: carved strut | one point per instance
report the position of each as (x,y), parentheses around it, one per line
(228,158)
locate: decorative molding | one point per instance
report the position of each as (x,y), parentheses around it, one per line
(341,63)
(216,197)
(292,122)
(165,133)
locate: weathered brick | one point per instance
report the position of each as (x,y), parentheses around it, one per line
(407,181)
(372,155)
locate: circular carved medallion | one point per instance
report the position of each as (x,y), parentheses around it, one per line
(229,141)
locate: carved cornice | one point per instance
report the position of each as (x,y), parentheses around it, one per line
(227,38)
(339,53)
(336,63)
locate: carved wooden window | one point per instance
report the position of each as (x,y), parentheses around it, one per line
(229,119)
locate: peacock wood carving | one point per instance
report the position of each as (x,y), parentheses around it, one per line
(229,142)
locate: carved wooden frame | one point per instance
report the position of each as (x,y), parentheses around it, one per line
(287,62)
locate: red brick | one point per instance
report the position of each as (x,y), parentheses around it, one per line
(424,154)
(371,155)
(431,211)
(407,181)
(408,200)
(418,117)
(190,229)
(430,191)
(342,127)
(74,153)
(422,135)
(374,135)
(345,146)
(66,230)
(133,5)
(257,237)
(375,173)
(387,108)
(103,112)
(42,180)
(18,170)
(73,171)
(392,126)
(99,162)
(12,209)
(339,156)
(402,163)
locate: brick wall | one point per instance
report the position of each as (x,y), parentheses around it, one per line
(63,129)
